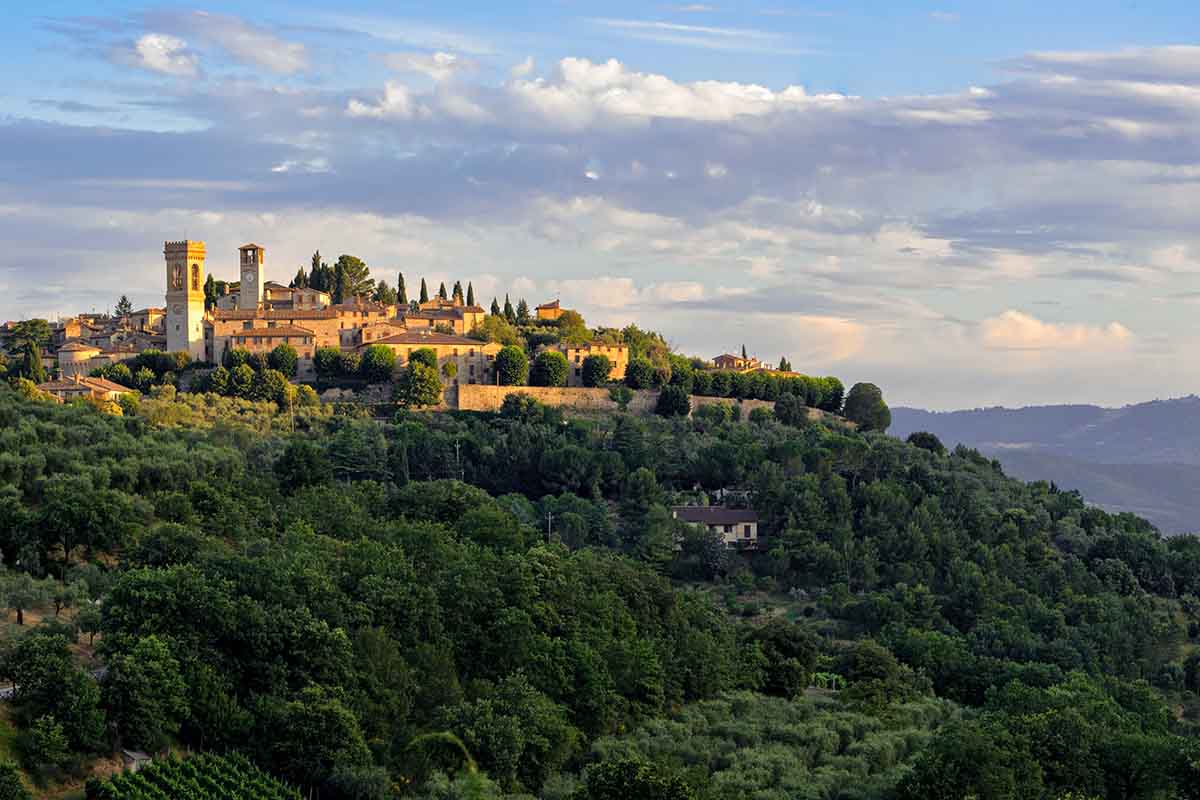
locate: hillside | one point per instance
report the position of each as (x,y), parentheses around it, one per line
(1143,458)
(511,592)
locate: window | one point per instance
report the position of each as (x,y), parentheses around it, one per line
(247,325)
(729,529)
(745,531)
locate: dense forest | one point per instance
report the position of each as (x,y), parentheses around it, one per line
(485,606)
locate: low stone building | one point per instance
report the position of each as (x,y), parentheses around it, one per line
(550,312)
(618,354)
(737,527)
(81,386)
(739,363)
(474,360)
(266,339)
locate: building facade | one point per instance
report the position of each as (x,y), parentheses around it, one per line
(474,361)
(617,354)
(185,297)
(737,527)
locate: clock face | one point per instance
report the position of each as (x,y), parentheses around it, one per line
(248,276)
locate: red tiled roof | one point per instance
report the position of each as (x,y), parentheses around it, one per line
(421,337)
(277,332)
(76,346)
(237,313)
(715,515)
(552,304)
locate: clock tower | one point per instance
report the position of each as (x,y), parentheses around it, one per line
(251,265)
(185,297)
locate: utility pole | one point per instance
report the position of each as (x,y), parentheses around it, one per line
(549,523)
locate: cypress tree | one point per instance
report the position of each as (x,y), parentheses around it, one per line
(32,367)
(401,292)
(457,292)
(495,307)
(442,290)
(523,312)
(424,292)
(743,351)
(470,294)
(509,314)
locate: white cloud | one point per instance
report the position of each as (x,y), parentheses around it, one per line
(523,69)
(704,36)
(159,52)
(397,103)
(249,43)
(438,66)
(1016,330)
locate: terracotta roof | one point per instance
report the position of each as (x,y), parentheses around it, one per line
(449,313)
(76,346)
(592,345)
(83,382)
(715,515)
(552,304)
(251,245)
(422,337)
(141,311)
(276,332)
(727,356)
(237,313)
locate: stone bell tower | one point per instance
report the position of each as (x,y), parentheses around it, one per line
(185,297)
(251,257)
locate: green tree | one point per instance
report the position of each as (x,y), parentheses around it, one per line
(495,328)
(303,463)
(549,369)
(355,278)
(349,364)
(35,331)
(457,293)
(509,314)
(470,294)
(424,355)
(790,410)
(441,293)
(784,364)
(124,307)
(299,280)
(522,312)
(145,693)
(22,592)
(271,386)
(89,621)
(418,386)
(378,362)
(11,787)
(927,441)
(673,401)
(401,290)
(631,779)
(284,359)
(639,374)
(31,363)
(384,294)
(241,382)
(327,361)
(44,744)
(596,370)
(495,310)
(424,297)
(512,366)
(865,408)
(307,738)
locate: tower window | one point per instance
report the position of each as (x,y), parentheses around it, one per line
(195,277)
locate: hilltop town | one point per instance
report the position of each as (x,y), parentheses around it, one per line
(335,333)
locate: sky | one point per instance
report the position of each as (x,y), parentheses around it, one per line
(969,204)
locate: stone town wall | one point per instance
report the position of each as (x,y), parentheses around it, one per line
(475,397)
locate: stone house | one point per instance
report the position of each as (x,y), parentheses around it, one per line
(737,527)
(474,360)
(618,354)
(80,386)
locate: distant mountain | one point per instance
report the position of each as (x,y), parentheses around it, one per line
(1143,458)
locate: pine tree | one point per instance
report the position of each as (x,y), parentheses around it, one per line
(442,291)
(523,312)
(470,294)
(457,293)
(495,307)
(509,314)
(401,292)
(424,292)
(124,307)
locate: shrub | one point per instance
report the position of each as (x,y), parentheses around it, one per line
(927,441)
(673,401)
(284,359)
(596,370)
(639,374)
(512,366)
(327,361)
(549,369)
(418,386)
(377,363)
(865,408)
(426,356)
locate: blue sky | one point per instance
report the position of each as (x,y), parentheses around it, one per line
(967,203)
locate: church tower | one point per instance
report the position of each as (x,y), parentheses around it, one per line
(251,293)
(185,297)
